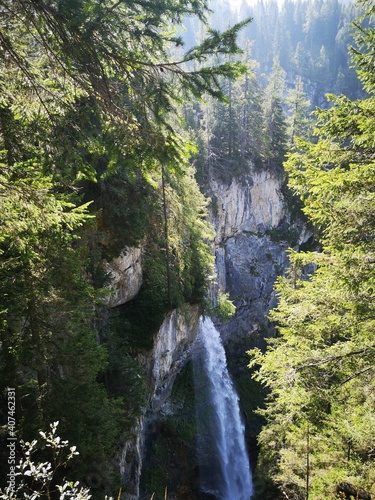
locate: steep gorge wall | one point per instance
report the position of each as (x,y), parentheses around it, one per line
(250,204)
(253,229)
(172,346)
(171,351)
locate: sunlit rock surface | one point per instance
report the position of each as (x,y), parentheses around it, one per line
(126,276)
(249,204)
(254,229)
(172,348)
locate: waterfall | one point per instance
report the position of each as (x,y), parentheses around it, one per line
(223,461)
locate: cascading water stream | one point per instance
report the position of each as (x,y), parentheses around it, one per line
(224,464)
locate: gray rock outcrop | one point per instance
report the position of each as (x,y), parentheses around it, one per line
(253,232)
(125,273)
(172,347)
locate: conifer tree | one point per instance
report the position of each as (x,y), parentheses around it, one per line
(275,122)
(247,104)
(299,121)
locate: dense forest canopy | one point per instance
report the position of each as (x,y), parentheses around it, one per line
(310,39)
(92,159)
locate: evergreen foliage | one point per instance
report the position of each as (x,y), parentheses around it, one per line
(275,127)
(190,260)
(89,94)
(299,121)
(232,136)
(310,39)
(319,437)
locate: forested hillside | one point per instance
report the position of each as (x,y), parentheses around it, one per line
(319,438)
(111,130)
(309,38)
(295,54)
(93,160)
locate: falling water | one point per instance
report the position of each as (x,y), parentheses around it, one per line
(224,464)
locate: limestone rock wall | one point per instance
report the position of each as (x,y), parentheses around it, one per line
(126,276)
(253,232)
(172,348)
(250,204)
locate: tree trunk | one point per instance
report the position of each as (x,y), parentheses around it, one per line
(166,237)
(37,343)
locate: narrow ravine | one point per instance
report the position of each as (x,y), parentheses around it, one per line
(224,466)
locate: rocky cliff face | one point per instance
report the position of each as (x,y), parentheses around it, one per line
(172,347)
(254,228)
(171,350)
(126,276)
(253,232)
(251,204)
